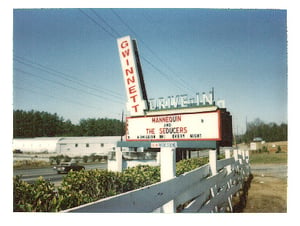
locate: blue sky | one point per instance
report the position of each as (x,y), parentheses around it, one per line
(66,60)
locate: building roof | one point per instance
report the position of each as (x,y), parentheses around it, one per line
(98,139)
(102,139)
(257,139)
(55,139)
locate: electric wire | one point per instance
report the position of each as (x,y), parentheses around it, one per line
(170,78)
(64,85)
(55,97)
(107,24)
(183,83)
(40,91)
(97,24)
(65,76)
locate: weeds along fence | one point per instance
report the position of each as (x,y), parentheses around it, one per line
(209,188)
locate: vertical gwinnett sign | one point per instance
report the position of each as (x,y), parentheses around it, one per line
(137,99)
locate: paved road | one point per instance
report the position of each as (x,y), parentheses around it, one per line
(274,170)
(30,175)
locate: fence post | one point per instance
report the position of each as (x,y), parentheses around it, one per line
(248,162)
(247,156)
(236,159)
(168,163)
(213,161)
(168,171)
(227,156)
(213,168)
(229,183)
(240,156)
(235,154)
(119,161)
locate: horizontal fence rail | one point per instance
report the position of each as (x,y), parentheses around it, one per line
(209,188)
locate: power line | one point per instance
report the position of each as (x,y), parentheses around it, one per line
(158,70)
(183,83)
(65,76)
(98,25)
(107,24)
(42,93)
(65,85)
(170,78)
(54,97)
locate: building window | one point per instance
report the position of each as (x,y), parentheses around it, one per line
(87,145)
(102,145)
(76,145)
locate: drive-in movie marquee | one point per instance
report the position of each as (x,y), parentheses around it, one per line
(176,118)
(194,126)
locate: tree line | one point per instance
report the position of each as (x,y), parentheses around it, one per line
(32,123)
(269,132)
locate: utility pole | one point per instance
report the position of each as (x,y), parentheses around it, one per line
(122,130)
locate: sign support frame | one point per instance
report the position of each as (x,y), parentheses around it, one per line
(167,172)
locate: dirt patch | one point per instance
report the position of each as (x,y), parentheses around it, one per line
(267,194)
(265,191)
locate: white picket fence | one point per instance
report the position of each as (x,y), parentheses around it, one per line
(209,188)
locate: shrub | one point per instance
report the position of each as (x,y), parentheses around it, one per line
(85,158)
(265,149)
(56,160)
(86,186)
(80,187)
(143,175)
(37,197)
(278,149)
(187,165)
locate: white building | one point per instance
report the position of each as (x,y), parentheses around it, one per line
(36,145)
(71,146)
(257,144)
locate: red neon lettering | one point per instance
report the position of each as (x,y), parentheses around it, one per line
(150,131)
(130,80)
(132,89)
(135,107)
(124,44)
(127,71)
(173,130)
(183,130)
(125,53)
(133,98)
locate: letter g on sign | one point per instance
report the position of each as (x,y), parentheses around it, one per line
(124,44)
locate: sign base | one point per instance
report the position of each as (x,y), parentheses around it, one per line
(179,144)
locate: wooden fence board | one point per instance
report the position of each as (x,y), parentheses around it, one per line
(198,190)
(197,203)
(154,195)
(225,162)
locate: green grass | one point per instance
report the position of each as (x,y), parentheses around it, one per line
(30,164)
(268,158)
